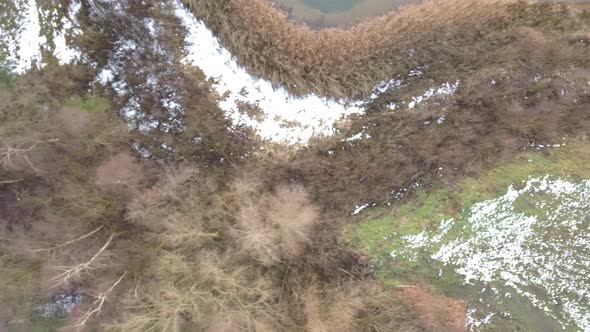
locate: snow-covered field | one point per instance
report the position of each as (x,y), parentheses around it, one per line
(533,242)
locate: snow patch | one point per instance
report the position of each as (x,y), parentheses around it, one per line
(540,253)
(24,49)
(359,208)
(64,52)
(313,114)
(445,89)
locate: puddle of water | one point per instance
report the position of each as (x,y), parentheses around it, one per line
(327,6)
(521,261)
(323,13)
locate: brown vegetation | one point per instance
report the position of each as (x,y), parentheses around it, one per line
(216,262)
(332,61)
(152,72)
(272,227)
(224,239)
(349,62)
(436,312)
(54,214)
(497,111)
(191,250)
(74,121)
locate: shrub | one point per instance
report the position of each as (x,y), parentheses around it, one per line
(272,227)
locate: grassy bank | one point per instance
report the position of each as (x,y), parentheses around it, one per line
(429,207)
(350,62)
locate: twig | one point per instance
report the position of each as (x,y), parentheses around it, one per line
(9,152)
(11,181)
(350,274)
(97,304)
(75,271)
(126,183)
(57,246)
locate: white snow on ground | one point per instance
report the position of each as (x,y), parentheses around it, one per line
(24,48)
(60,304)
(309,115)
(312,114)
(445,89)
(387,85)
(26,43)
(64,52)
(359,136)
(543,256)
(359,208)
(287,119)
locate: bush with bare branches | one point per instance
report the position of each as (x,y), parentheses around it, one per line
(275,226)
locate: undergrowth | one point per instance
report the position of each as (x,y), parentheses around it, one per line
(179,249)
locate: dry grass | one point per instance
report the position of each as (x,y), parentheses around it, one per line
(234,259)
(180,293)
(524,94)
(295,215)
(355,306)
(175,211)
(191,253)
(330,314)
(192,272)
(437,312)
(334,61)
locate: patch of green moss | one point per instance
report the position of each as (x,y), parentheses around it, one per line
(89,103)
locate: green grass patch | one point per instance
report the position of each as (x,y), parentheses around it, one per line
(89,103)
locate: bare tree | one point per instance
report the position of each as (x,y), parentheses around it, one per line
(10,154)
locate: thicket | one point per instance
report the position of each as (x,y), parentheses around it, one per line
(168,248)
(47,196)
(156,85)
